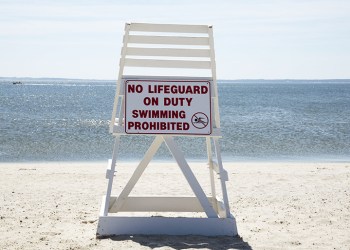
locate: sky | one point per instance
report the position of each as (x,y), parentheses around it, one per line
(272,39)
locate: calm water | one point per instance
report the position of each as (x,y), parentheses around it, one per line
(44,120)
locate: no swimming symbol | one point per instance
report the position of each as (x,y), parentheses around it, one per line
(200,120)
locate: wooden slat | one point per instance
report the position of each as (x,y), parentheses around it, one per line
(178,28)
(132,51)
(129,62)
(223,173)
(163,204)
(159,77)
(173,40)
(159,204)
(109,171)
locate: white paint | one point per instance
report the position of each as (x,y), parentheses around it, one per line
(195,113)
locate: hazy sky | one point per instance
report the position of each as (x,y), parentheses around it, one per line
(293,39)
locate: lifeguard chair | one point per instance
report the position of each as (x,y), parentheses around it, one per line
(177,56)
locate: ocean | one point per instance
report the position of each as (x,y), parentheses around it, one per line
(261,120)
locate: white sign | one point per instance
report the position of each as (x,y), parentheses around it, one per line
(167,107)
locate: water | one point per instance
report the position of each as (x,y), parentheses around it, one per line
(58,120)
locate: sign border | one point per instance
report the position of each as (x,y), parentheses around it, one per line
(126,80)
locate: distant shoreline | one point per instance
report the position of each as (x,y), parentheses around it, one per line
(340,80)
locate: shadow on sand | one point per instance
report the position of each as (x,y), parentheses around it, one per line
(185,242)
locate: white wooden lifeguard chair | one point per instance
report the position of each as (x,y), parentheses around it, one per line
(174,55)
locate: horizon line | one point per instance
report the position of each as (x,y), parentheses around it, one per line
(241,79)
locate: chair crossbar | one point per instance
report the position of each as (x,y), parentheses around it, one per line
(130,62)
(172,52)
(173,40)
(177,28)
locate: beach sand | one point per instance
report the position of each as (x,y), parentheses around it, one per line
(277,205)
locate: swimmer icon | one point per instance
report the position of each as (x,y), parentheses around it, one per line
(200,120)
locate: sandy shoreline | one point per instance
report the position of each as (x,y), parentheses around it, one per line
(276,205)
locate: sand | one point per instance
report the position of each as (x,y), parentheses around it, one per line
(277,205)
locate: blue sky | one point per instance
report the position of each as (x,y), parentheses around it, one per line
(294,39)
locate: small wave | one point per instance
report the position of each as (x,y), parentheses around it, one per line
(94,122)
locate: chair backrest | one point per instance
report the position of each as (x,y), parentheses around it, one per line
(163,51)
